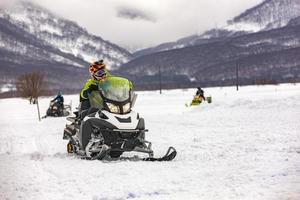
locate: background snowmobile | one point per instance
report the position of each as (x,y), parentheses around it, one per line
(109,127)
(197,100)
(55,110)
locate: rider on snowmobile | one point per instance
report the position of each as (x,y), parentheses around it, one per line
(111,128)
(59,99)
(200,93)
(98,74)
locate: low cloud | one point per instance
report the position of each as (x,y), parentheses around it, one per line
(6,3)
(137,24)
(134,14)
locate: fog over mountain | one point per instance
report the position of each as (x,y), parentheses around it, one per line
(137,24)
(265,16)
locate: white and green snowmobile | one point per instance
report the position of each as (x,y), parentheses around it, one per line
(110,126)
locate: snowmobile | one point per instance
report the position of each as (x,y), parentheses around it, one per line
(110,127)
(56,110)
(197,100)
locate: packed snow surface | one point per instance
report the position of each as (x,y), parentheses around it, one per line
(244,145)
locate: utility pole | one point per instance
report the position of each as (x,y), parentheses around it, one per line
(159,79)
(237,75)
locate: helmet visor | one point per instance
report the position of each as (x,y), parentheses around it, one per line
(100,73)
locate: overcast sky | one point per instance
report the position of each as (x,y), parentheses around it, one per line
(136,24)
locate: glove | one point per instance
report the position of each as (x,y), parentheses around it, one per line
(93,87)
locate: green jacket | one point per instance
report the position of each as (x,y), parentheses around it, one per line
(85,91)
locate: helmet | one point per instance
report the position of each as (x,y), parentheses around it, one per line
(59,93)
(95,66)
(97,69)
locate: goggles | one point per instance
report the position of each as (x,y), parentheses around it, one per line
(100,73)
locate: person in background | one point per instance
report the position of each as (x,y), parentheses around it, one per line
(200,93)
(59,99)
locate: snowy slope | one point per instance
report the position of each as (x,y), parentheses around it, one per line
(63,34)
(34,39)
(268,15)
(245,145)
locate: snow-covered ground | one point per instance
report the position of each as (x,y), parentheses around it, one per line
(245,145)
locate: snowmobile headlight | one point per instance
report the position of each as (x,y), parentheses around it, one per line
(126,108)
(113,108)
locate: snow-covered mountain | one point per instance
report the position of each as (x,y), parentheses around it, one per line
(63,34)
(269,56)
(22,52)
(34,39)
(267,15)
(263,41)
(209,36)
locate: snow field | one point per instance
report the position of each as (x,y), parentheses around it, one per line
(245,145)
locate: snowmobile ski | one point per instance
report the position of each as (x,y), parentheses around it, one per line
(170,155)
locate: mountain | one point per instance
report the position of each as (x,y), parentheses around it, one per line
(266,56)
(267,15)
(262,44)
(21,52)
(32,38)
(212,35)
(64,34)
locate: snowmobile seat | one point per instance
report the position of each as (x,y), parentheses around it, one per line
(92,112)
(83,114)
(88,112)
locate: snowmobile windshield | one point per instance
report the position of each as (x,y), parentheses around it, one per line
(116,88)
